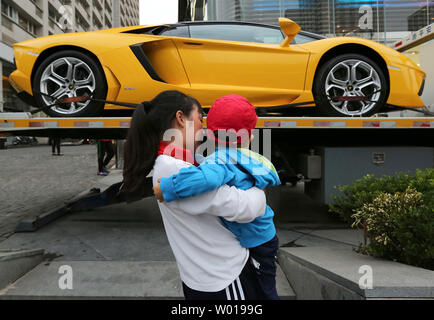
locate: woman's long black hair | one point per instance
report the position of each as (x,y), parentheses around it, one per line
(148,124)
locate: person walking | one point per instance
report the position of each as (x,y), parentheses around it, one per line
(105,149)
(211,261)
(55,145)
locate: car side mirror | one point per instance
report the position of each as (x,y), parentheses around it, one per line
(290,28)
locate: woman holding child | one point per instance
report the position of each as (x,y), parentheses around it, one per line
(214,213)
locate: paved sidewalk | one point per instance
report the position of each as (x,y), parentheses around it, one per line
(32,181)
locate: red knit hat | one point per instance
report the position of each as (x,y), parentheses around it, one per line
(232,113)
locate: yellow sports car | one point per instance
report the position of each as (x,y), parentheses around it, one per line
(271,66)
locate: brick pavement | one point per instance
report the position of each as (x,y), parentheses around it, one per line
(32,181)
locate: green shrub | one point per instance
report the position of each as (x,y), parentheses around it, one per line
(369,187)
(396,214)
(400,227)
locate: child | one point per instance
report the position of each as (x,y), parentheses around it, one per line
(237,167)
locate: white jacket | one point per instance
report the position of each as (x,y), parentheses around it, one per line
(208,255)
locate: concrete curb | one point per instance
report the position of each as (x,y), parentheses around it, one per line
(284,289)
(323,273)
(110,280)
(15,263)
(310,285)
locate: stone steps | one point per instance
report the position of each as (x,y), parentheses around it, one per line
(109,280)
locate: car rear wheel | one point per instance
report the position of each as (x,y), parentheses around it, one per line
(350,85)
(69,73)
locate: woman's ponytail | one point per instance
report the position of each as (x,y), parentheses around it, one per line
(140,150)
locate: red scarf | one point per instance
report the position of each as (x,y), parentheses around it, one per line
(176,152)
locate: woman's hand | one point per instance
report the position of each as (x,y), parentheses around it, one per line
(157,192)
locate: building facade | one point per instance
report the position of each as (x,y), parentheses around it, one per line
(26,19)
(385,21)
(192,10)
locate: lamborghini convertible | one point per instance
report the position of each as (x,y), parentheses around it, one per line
(274,67)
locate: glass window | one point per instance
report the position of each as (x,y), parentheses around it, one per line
(14,14)
(32,28)
(236,32)
(300,38)
(176,32)
(408,16)
(23,22)
(4,8)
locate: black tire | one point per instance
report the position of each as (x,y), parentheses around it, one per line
(98,84)
(328,108)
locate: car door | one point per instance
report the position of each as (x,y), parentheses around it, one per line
(148,64)
(225,58)
(162,54)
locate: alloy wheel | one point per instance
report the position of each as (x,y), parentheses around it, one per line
(352,78)
(67,77)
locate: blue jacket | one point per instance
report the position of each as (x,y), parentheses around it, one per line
(241,168)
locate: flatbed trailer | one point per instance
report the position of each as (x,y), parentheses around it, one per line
(315,150)
(290,131)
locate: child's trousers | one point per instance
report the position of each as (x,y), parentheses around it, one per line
(264,260)
(245,287)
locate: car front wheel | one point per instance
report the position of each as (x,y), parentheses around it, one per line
(350,85)
(65,74)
